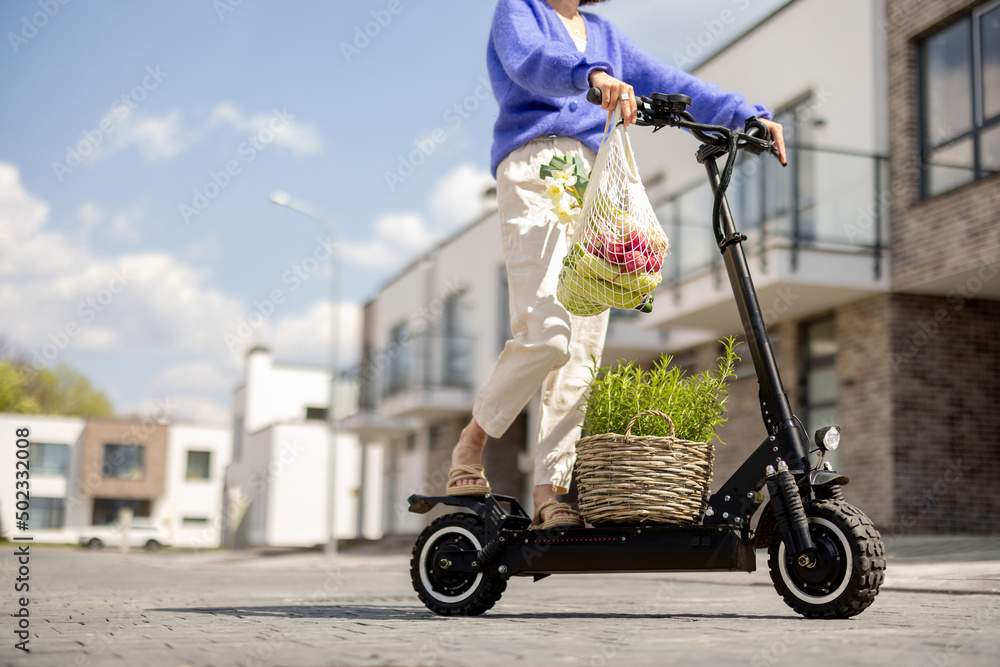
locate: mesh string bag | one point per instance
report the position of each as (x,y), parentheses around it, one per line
(618,247)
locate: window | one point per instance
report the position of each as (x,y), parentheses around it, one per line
(199,465)
(106,509)
(960,102)
(194,522)
(439,435)
(456,350)
(237,439)
(316,414)
(399,359)
(123,461)
(48,512)
(764,191)
(49,459)
(819,374)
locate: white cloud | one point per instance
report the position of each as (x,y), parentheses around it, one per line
(125,223)
(399,237)
(155,137)
(305,338)
(182,407)
(301,138)
(455,200)
(90,214)
(458,198)
(202,376)
(163,136)
(57,295)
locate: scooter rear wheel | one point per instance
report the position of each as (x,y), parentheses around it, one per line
(444,591)
(848,569)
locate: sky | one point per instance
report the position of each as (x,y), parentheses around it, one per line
(141,142)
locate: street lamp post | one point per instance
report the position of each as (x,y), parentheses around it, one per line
(284,199)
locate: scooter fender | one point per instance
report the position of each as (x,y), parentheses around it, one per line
(495,516)
(767,522)
(819,478)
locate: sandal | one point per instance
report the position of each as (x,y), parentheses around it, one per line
(545,516)
(464,472)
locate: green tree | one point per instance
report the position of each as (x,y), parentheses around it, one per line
(14,396)
(60,391)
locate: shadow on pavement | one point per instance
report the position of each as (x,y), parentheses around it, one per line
(377,613)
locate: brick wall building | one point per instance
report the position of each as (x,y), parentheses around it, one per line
(918,367)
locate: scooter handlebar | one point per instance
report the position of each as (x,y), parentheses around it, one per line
(594,96)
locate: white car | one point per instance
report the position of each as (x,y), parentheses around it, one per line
(141,534)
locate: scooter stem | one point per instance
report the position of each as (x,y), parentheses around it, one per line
(775,408)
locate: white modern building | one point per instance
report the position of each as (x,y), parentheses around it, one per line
(84,471)
(277,487)
(197,457)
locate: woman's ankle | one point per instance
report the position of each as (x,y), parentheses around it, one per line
(471,443)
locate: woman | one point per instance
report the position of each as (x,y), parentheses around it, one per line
(543,56)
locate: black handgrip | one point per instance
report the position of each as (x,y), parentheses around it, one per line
(755,128)
(594,96)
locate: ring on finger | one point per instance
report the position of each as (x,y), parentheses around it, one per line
(624,96)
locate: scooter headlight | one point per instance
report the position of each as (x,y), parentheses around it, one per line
(828,438)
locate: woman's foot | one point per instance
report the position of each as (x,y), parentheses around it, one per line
(469,452)
(550,513)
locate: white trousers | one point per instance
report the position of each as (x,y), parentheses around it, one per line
(550,348)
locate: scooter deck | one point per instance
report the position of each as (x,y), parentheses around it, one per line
(628,549)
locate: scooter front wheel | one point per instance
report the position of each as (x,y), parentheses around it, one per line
(445,591)
(847,571)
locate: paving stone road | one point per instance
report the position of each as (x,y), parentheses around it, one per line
(220,608)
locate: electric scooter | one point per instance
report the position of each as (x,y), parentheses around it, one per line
(826,558)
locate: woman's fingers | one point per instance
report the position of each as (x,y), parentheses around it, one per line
(615,92)
(778,137)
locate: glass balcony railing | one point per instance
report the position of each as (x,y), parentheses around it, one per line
(835,201)
(423,361)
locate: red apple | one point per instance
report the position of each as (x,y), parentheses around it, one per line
(637,241)
(599,244)
(615,251)
(654,263)
(634,262)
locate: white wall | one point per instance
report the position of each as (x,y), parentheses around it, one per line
(194,498)
(247,485)
(274,394)
(56,430)
(296,477)
(830,47)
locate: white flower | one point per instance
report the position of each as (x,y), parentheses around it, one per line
(566,177)
(565,210)
(554,189)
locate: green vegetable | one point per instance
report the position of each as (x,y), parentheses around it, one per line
(695,403)
(596,289)
(577,304)
(589,265)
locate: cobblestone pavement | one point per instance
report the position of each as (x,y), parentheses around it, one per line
(220,608)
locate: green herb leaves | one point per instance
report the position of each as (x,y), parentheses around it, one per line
(695,403)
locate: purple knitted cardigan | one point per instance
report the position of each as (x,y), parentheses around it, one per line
(540,79)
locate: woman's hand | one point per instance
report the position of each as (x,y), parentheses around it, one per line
(613,91)
(777,137)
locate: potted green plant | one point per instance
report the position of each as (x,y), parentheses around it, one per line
(648,451)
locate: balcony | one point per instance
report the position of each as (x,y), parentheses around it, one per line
(427,376)
(817,239)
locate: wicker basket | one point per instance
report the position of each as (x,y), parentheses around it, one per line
(643,479)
